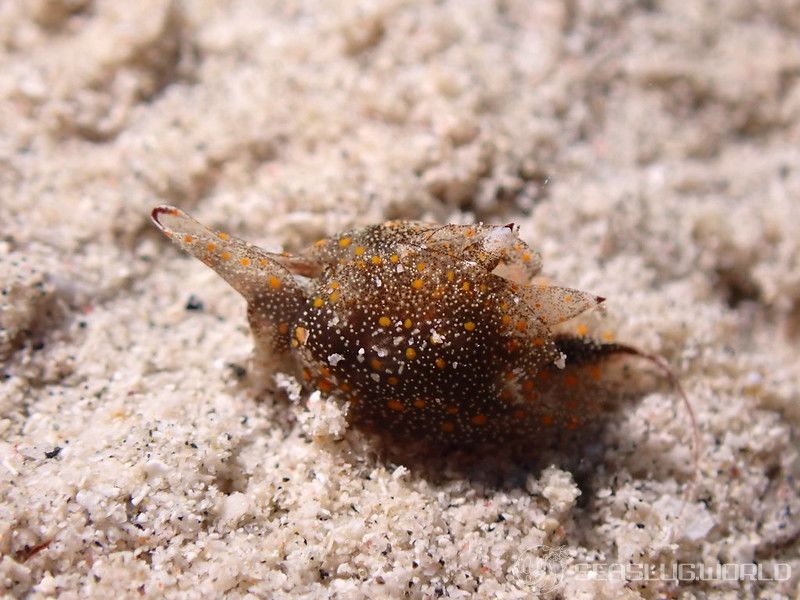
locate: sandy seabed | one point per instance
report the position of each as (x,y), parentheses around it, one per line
(649,150)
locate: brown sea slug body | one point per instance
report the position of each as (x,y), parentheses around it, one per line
(428,332)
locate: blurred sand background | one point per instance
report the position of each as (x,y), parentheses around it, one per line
(650,150)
